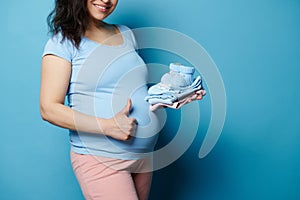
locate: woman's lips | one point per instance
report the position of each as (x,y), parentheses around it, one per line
(102,8)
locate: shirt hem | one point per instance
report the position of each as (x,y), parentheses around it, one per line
(121,156)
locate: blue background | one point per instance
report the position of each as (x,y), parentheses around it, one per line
(256,46)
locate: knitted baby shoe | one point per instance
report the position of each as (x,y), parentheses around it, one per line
(187,72)
(173,78)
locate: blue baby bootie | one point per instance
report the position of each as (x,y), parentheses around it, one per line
(186,71)
(175,67)
(179,76)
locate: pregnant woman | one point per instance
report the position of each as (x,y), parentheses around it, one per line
(112,132)
(106,149)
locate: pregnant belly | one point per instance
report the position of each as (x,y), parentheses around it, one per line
(149,123)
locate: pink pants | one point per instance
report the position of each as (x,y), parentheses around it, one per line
(112,179)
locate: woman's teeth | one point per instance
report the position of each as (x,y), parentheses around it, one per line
(101,7)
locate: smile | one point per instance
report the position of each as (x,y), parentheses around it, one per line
(101,8)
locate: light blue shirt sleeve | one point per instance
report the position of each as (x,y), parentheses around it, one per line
(58,47)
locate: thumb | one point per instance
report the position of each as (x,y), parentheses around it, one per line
(126,109)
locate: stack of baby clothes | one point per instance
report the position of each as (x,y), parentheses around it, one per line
(177,87)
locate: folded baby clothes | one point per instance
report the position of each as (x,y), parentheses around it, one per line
(176,88)
(178,104)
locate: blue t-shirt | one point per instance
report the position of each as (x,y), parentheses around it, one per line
(103,78)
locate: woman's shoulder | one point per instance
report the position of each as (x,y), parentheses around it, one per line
(59,39)
(60,46)
(125,30)
(123,27)
(128,33)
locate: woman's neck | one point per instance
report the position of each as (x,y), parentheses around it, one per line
(100,31)
(96,25)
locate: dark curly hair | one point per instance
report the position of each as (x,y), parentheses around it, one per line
(70,17)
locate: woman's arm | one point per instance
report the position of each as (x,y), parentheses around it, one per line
(55,79)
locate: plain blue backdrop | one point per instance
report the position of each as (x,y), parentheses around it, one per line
(256,46)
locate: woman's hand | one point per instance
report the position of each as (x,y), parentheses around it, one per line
(121,127)
(200,94)
(197,96)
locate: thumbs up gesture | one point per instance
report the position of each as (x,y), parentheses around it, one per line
(121,127)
